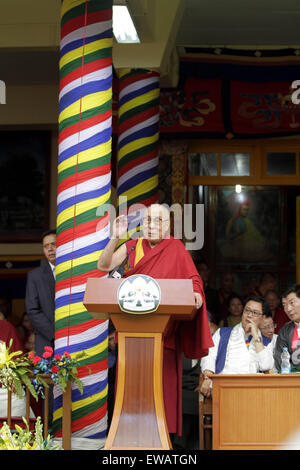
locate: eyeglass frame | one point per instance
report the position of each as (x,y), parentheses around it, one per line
(269,327)
(156,222)
(253,313)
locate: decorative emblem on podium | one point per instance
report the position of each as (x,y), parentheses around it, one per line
(139,294)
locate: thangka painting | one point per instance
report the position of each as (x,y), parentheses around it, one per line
(195,108)
(24,183)
(248,227)
(226,93)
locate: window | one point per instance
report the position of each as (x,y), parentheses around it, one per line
(281,163)
(235,164)
(219,164)
(244,162)
(203,164)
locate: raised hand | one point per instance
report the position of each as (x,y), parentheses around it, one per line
(252,328)
(119,227)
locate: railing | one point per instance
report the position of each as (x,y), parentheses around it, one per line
(66,412)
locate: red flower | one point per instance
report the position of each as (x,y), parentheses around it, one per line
(36,359)
(55,369)
(67,354)
(47,354)
(30,355)
(57,357)
(49,349)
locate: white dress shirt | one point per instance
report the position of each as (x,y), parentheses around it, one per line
(52,266)
(239,358)
(273,343)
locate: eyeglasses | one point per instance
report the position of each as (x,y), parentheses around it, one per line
(269,327)
(154,220)
(254,313)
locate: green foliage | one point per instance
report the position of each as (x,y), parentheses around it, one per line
(24,439)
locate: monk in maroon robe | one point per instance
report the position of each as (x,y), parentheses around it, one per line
(8,332)
(161,256)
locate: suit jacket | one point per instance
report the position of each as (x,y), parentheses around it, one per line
(285,337)
(40,305)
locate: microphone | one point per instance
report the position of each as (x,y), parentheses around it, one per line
(118,272)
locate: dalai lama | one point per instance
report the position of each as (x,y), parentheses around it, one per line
(161,256)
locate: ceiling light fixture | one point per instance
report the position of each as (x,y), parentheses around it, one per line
(123,27)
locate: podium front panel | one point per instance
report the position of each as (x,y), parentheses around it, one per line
(139,421)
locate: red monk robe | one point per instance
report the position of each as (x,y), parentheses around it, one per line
(8,332)
(170,260)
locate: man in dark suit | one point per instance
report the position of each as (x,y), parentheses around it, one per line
(40,302)
(289,334)
(40,295)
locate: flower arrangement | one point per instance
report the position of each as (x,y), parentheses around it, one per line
(15,371)
(61,369)
(24,439)
(18,369)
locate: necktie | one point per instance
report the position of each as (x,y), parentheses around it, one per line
(295,339)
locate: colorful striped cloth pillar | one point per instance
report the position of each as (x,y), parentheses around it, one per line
(84,156)
(138,136)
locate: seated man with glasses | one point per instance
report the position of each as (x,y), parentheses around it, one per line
(159,255)
(241,349)
(267,328)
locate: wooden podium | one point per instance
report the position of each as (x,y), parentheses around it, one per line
(139,418)
(256,411)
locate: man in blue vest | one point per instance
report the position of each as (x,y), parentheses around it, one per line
(241,349)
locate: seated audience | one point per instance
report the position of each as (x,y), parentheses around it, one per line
(5,306)
(211,295)
(235,309)
(8,331)
(225,291)
(25,331)
(268,281)
(279,316)
(249,286)
(289,334)
(29,345)
(241,349)
(212,325)
(267,328)
(6,310)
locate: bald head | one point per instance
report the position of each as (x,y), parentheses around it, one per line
(156,223)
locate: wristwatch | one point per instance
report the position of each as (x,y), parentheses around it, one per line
(258,340)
